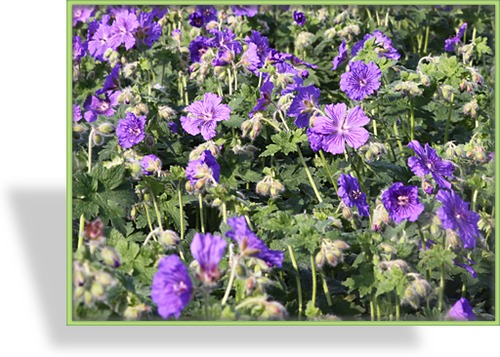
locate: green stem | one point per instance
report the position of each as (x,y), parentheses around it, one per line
(398,307)
(309,176)
(297,278)
(325,288)
(374,123)
(186,94)
(441,289)
(424,248)
(230,283)
(412,121)
(89,163)
(157,211)
(372,308)
(449,119)
(389,299)
(474,200)
(80,231)
(181,209)
(314,282)
(200,201)
(230,80)
(379,310)
(426,39)
(148,218)
(224,212)
(328,170)
(396,133)
(235,72)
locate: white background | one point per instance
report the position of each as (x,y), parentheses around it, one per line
(32,233)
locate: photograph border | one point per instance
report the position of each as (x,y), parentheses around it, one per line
(69,184)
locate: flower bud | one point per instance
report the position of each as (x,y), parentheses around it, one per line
(93,230)
(471,108)
(79,291)
(134,312)
(425,80)
(97,139)
(79,128)
(320,259)
(262,187)
(427,187)
(447,92)
(103,278)
(78,278)
(189,187)
(87,297)
(97,291)
(241,271)
(340,244)
(110,257)
(105,128)
(276,311)
(169,238)
(452,239)
(331,258)
(346,212)
(422,287)
(165,112)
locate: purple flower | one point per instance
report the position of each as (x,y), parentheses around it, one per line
(341,57)
(250,59)
(208,251)
(203,116)
(303,105)
(467,267)
(198,47)
(225,42)
(112,81)
(174,128)
(361,80)
(100,41)
(351,194)
(340,126)
(384,43)
(208,12)
(150,164)
(130,131)
(148,31)
(299,18)
(196,19)
(262,45)
(428,162)
(462,311)
(402,202)
(79,48)
(203,171)
(449,44)
(123,30)
(171,287)
(159,11)
(95,106)
(315,139)
(455,215)
(77,113)
(81,13)
(263,102)
(251,245)
(245,10)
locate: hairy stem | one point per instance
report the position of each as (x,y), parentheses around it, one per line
(309,176)
(297,278)
(200,201)
(181,209)
(314,282)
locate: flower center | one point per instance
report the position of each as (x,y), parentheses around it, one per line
(134,131)
(403,200)
(180,288)
(362,82)
(458,216)
(356,194)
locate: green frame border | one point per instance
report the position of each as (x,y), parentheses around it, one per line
(69,182)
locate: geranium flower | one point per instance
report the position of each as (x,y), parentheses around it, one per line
(265,98)
(462,311)
(99,42)
(384,43)
(299,18)
(208,251)
(339,127)
(341,57)
(455,215)
(203,171)
(245,10)
(112,80)
(123,30)
(303,105)
(361,80)
(130,131)
(203,116)
(96,106)
(198,47)
(171,289)
(251,245)
(150,164)
(148,31)
(81,13)
(428,162)
(351,194)
(402,202)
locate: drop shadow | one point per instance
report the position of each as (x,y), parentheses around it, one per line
(41,219)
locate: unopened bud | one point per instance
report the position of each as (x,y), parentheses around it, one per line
(276,311)
(165,112)
(320,259)
(427,187)
(110,257)
(97,290)
(79,128)
(97,139)
(447,92)
(471,108)
(425,80)
(103,278)
(105,128)
(169,238)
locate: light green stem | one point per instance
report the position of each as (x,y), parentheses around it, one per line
(181,209)
(309,176)
(224,212)
(230,283)
(441,289)
(148,218)
(379,310)
(396,133)
(426,39)
(297,278)
(235,72)
(328,170)
(314,282)
(325,288)
(80,231)
(200,201)
(157,211)
(372,308)
(230,80)
(474,200)
(398,307)
(389,299)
